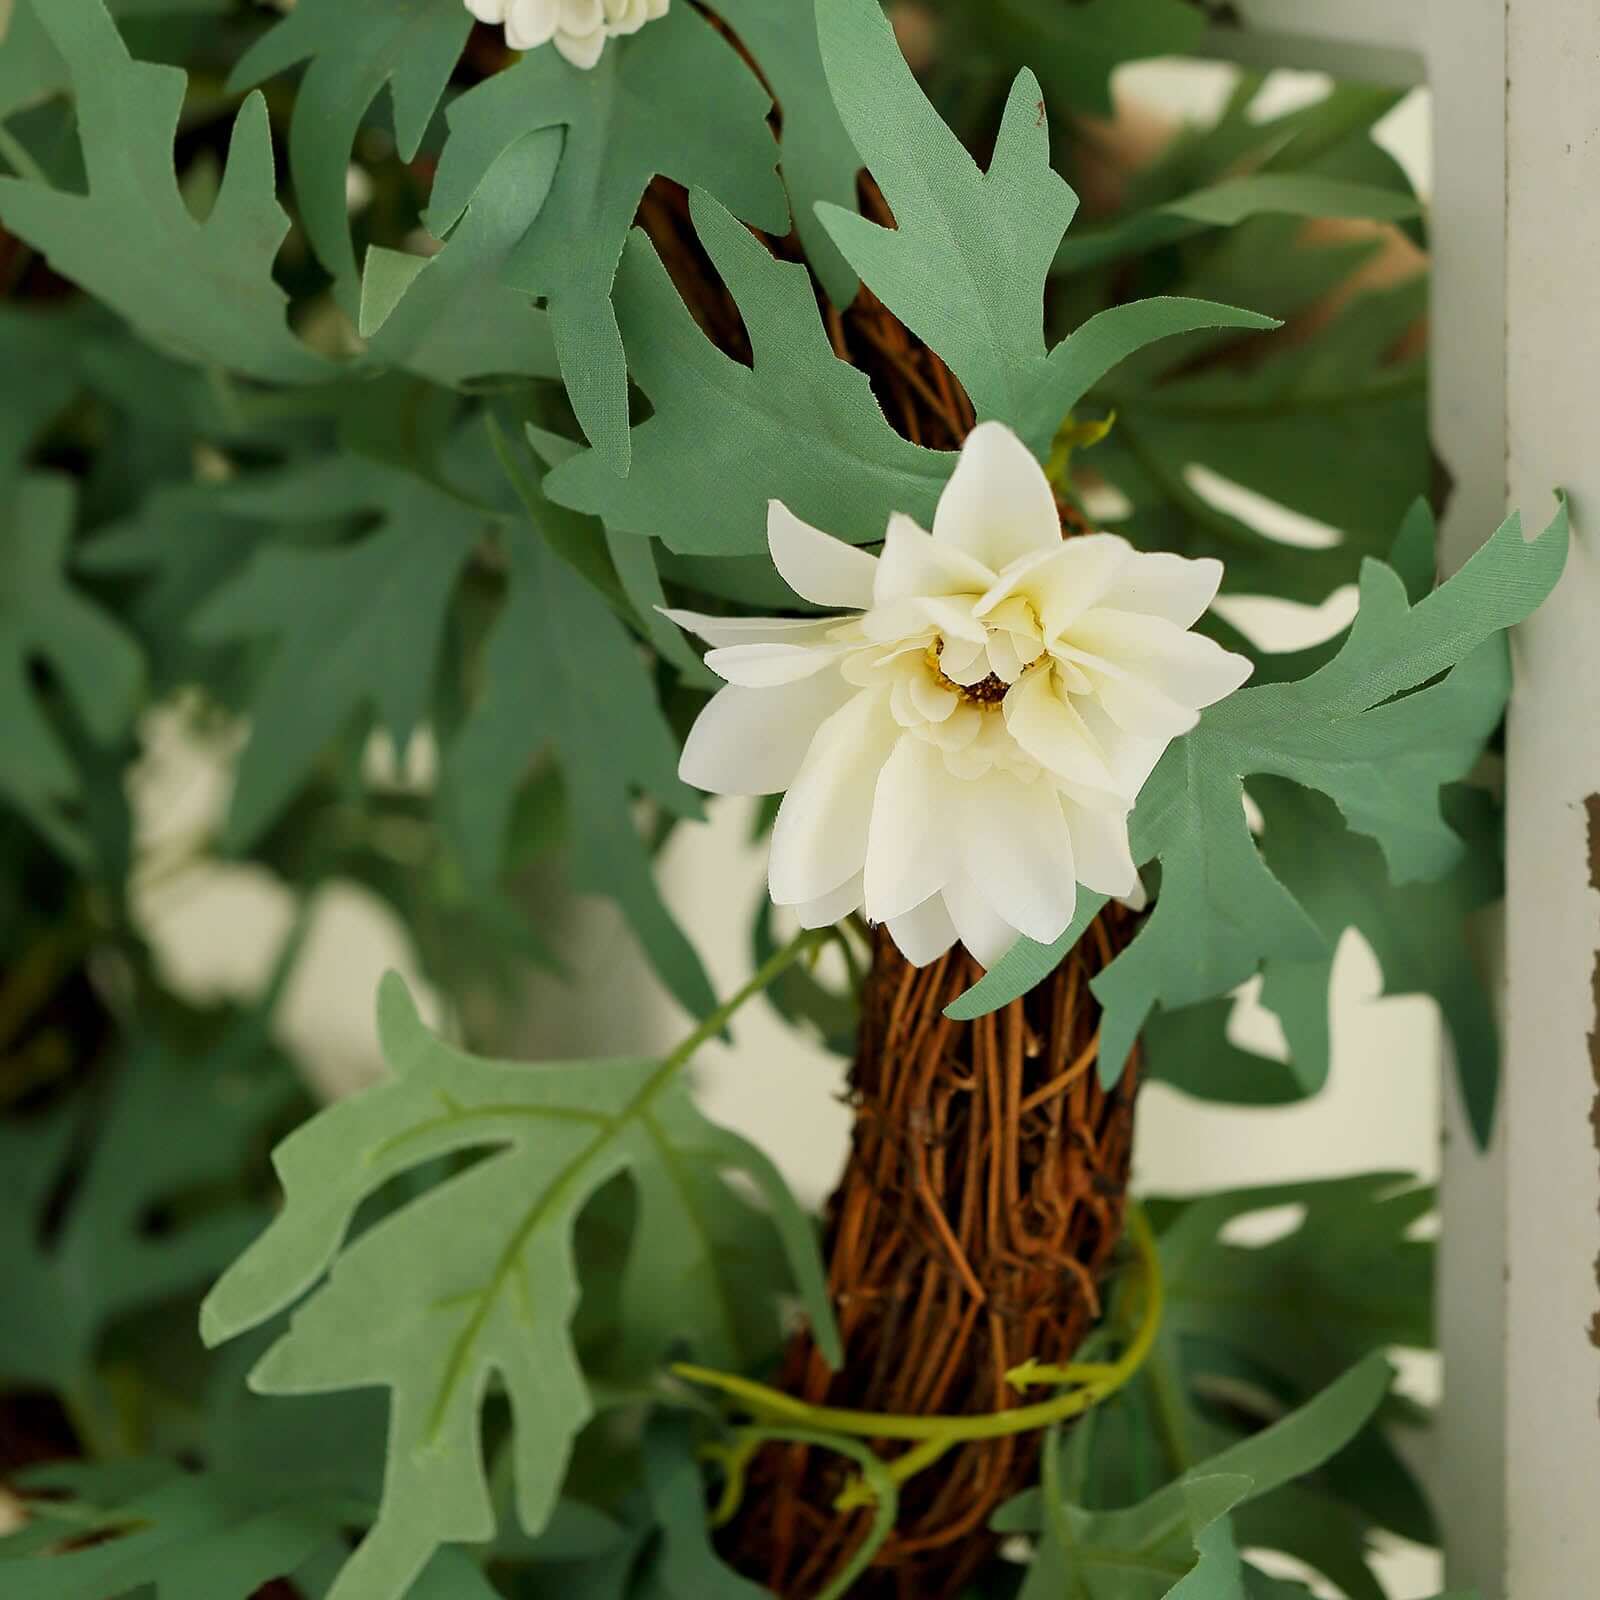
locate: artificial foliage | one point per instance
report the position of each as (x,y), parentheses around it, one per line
(377,400)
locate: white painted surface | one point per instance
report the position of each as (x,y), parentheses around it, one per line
(1552,1190)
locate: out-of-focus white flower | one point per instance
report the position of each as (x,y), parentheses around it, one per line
(964,748)
(577,28)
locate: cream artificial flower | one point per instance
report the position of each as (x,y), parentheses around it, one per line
(578,28)
(964,747)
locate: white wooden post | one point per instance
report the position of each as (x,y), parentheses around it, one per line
(1515,225)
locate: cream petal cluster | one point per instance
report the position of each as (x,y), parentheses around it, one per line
(963,747)
(578,28)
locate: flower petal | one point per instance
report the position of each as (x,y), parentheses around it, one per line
(925,933)
(911,850)
(914,565)
(1100,852)
(1165,585)
(582,50)
(1186,667)
(820,838)
(1045,722)
(1075,578)
(831,908)
(1015,846)
(819,568)
(753,741)
(997,506)
(488,10)
(981,929)
(530,23)
(751,630)
(764,666)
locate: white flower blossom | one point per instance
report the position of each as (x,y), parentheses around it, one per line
(578,28)
(963,748)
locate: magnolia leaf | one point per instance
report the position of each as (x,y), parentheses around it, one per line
(1225,205)
(355,48)
(819,160)
(1177,1542)
(475,1280)
(170,1128)
(203,290)
(449,317)
(801,426)
(562,673)
(675,99)
(1361,730)
(965,265)
(93,660)
(356,625)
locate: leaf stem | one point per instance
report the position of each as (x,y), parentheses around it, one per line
(802,944)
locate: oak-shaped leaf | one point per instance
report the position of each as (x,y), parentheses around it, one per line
(674,99)
(474,1283)
(800,425)
(818,157)
(1401,710)
(965,265)
(91,657)
(561,674)
(203,290)
(355,48)
(1180,1541)
(146,1526)
(1372,730)
(353,626)
(168,1128)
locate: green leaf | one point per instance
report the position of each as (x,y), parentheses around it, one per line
(191,1536)
(1177,1542)
(965,265)
(475,1279)
(169,1129)
(201,290)
(1256,1328)
(93,660)
(562,674)
(1363,731)
(449,317)
(819,160)
(355,48)
(1418,931)
(1286,429)
(802,426)
(1074,49)
(673,99)
(356,625)
(1225,205)
(1025,964)
(687,1567)
(31,68)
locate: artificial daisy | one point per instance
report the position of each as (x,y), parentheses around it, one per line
(962,746)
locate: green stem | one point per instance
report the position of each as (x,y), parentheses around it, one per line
(937,1434)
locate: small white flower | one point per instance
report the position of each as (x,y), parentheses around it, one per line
(578,28)
(964,748)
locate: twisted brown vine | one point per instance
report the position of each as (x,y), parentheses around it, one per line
(985,1190)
